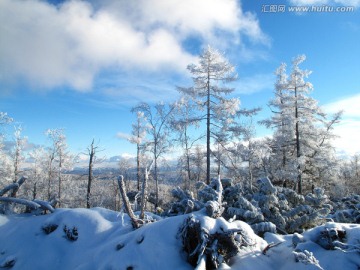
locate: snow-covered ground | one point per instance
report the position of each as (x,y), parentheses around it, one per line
(104,239)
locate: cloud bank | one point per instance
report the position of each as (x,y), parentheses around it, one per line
(348,129)
(68,44)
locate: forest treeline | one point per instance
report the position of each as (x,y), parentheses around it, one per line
(212,135)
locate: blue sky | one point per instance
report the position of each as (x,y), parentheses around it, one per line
(82,65)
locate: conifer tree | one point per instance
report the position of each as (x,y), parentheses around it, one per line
(302,139)
(210,76)
(137,137)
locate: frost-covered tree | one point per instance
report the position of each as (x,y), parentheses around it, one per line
(219,154)
(58,160)
(183,122)
(348,180)
(245,146)
(282,146)
(35,185)
(158,129)
(138,135)
(301,143)
(126,167)
(5,162)
(197,158)
(354,179)
(237,151)
(4,119)
(17,155)
(209,91)
(92,150)
(355,164)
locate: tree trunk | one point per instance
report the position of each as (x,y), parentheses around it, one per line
(188,170)
(134,221)
(49,178)
(144,192)
(187,153)
(60,180)
(208,132)
(90,176)
(34,191)
(297,137)
(156,184)
(138,165)
(251,180)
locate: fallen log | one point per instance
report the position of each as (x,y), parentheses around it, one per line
(14,186)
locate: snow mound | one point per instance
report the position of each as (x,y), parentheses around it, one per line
(102,239)
(105,240)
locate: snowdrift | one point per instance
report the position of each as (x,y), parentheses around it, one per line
(103,239)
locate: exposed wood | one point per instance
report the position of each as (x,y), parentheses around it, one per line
(209,250)
(136,223)
(144,191)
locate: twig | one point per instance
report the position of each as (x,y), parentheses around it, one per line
(271,245)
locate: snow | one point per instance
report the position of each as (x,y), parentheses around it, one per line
(106,240)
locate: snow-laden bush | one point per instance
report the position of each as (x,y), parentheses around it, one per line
(269,207)
(347,210)
(333,237)
(211,242)
(286,210)
(307,257)
(185,202)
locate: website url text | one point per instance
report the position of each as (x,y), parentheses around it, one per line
(303,9)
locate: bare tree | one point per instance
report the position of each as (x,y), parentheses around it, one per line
(37,173)
(158,128)
(182,123)
(92,149)
(17,155)
(57,152)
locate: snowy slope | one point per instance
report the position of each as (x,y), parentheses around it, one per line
(99,234)
(107,241)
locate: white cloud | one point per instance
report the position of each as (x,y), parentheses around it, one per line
(127,156)
(354,3)
(309,2)
(350,106)
(68,44)
(123,136)
(348,129)
(256,83)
